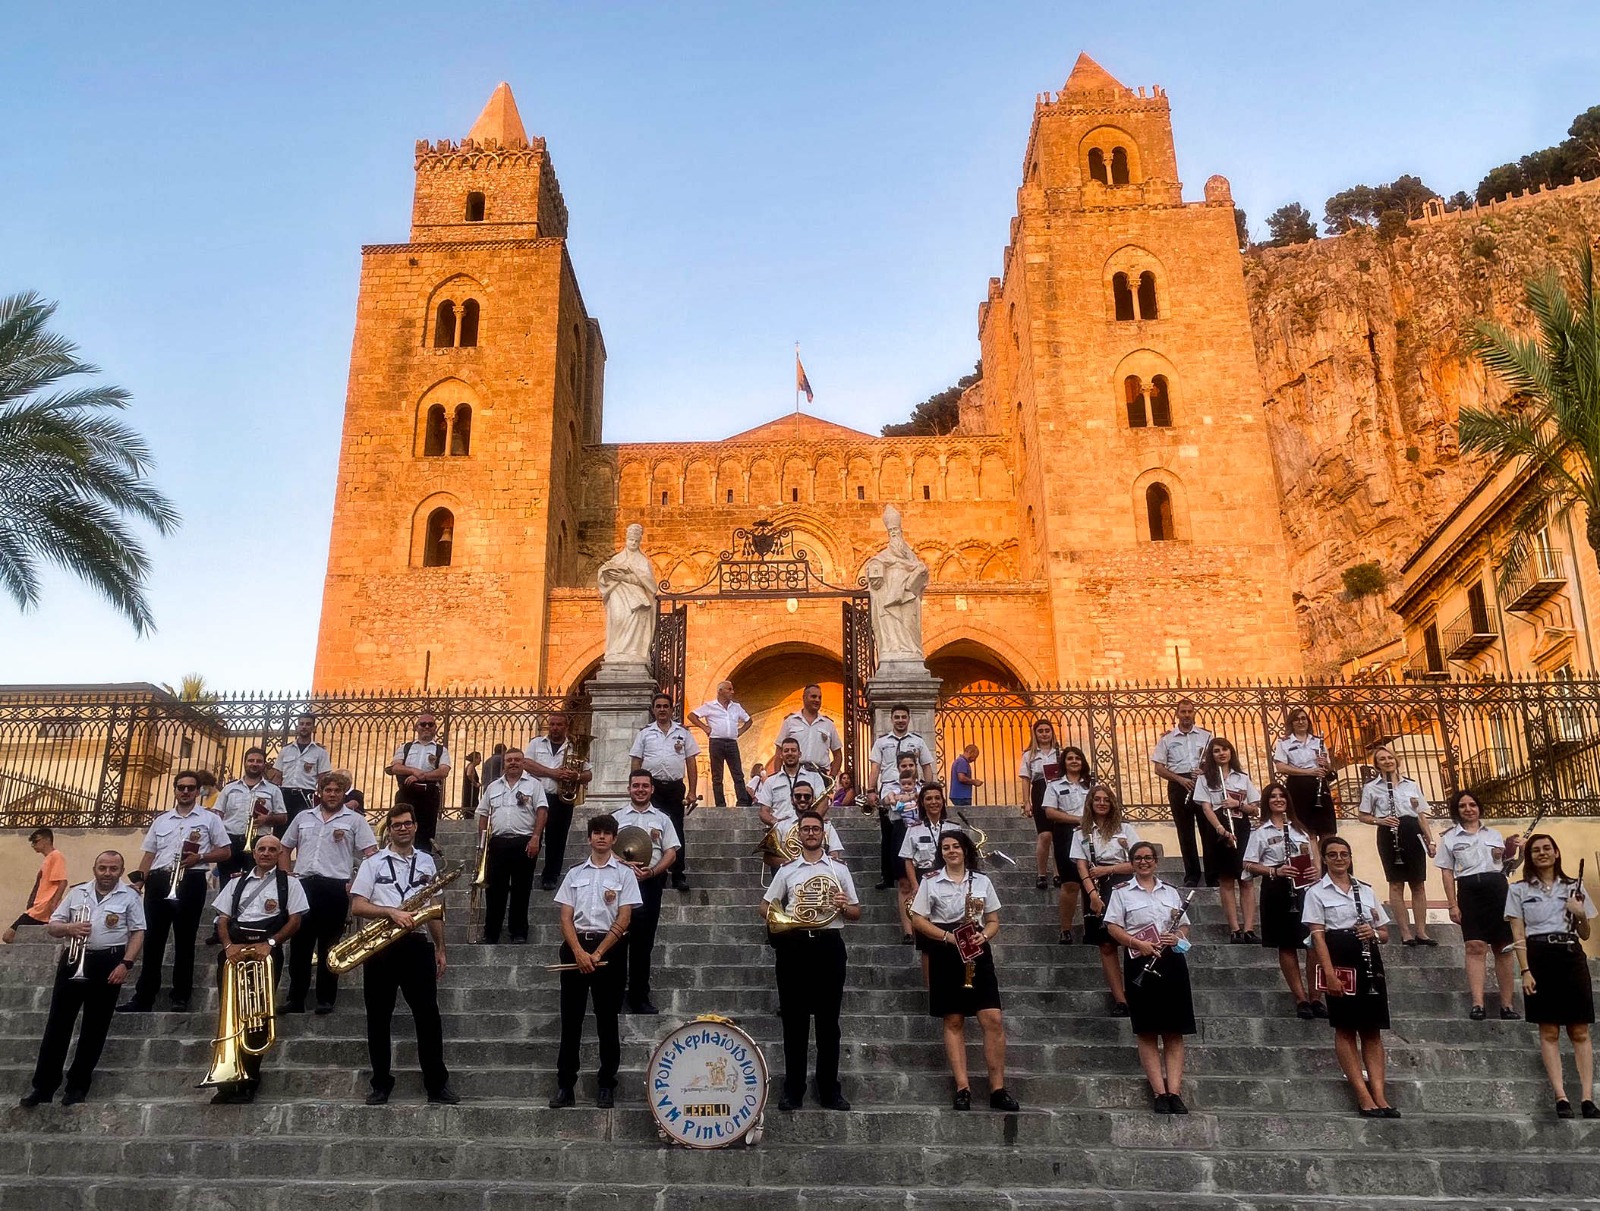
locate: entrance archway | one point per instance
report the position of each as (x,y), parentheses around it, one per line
(967,664)
(769,685)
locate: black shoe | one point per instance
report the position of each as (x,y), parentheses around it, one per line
(1191,880)
(884,886)
(225,1097)
(790,1103)
(1163,1104)
(680,884)
(644,1007)
(1510,1015)
(1304,1012)
(907,940)
(1319,1009)
(606,1098)
(134,1006)
(518,941)
(486,940)
(1175,1104)
(34,1098)
(1477,1014)
(294,1007)
(324,1008)
(547,884)
(1371,1112)
(1120,1009)
(1389,1112)
(378,1097)
(1589,1109)
(1564,1108)
(1066,937)
(180,1006)
(1252,937)
(1236,938)
(444,1096)
(562,1099)
(837,1102)
(1001,1100)
(963,1099)
(1410,942)
(1427,941)
(1042,883)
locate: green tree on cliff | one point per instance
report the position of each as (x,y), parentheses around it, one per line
(1552,421)
(1291,224)
(72,477)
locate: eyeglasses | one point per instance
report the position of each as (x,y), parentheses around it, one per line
(394,824)
(1143,858)
(810,828)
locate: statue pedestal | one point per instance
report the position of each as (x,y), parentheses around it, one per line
(620,699)
(905,683)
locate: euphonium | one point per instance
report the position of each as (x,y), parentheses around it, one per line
(246,1021)
(813,906)
(381,933)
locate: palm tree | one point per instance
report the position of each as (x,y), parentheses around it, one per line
(1552,421)
(72,476)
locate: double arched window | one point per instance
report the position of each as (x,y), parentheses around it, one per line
(447,431)
(1109,172)
(1134,299)
(1148,403)
(453,327)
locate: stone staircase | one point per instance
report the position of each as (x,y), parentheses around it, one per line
(1272,1124)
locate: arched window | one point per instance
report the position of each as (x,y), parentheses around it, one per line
(475,207)
(439,539)
(1133,389)
(434,432)
(444,325)
(663,499)
(1119,165)
(1122,297)
(1160,406)
(469,324)
(1158,505)
(1147,299)
(461,432)
(1097,166)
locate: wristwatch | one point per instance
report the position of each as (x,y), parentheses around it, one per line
(272,943)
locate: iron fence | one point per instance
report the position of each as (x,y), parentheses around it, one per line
(91,760)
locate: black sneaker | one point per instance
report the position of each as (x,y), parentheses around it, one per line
(884,886)
(1193,881)
(1252,937)
(1236,938)
(1001,1100)
(445,1096)
(606,1098)
(517,940)
(562,1099)
(963,1100)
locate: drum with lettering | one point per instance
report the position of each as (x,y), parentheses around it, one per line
(707,1084)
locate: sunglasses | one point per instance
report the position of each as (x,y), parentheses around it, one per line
(427,725)
(185,787)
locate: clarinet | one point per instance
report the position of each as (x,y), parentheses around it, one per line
(1172,924)
(1366,943)
(1399,852)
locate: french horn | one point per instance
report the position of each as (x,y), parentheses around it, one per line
(813,906)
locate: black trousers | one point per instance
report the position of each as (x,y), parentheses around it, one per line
(605,985)
(642,938)
(424,799)
(239,859)
(406,968)
(97,1000)
(295,801)
(556,827)
(1186,817)
(725,752)
(811,967)
(510,878)
(669,797)
(180,921)
(891,836)
(250,1063)
(321,929)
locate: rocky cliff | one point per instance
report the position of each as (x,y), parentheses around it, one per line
(1361,345)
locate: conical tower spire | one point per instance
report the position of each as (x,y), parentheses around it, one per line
(500,120)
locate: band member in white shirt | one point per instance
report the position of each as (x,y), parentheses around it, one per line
(1398,807)
(186,839)
(1348,925)
(723,721)
(1176,759)
(1100,852)
(299,764)
(804,800)
(421,766)
(1283,856)
(883,770)
(1063,807)
(811,970)
(898,801)
(411,967)
(667,752)
(641,812)
(1040,765)
(546,759)
(327,843)
(1146,917)
(596,901)
(512,812)
(1302,760)
(1228,800)
(1470,856)
(773,798)
(248,797)
(112,936)
(1550,917)
(820,746)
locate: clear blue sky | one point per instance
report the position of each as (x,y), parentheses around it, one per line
(193,183)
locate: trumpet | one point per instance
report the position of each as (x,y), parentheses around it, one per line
(76,953)
(175,871)
(381,933)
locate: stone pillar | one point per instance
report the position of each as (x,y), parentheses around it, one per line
(619,696)
(905,683)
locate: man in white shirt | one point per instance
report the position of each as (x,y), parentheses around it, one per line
(723,721)
(512,814)
(1176,759)
(640,812)
(421,766)
(820,746)
(666,751)
(545,758)
(883,771)
(248,797)
(299,764)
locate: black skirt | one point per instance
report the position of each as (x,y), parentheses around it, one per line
(1061,841)
(1563,994)
(1313,804)
(1094,927)
(1224,861)
(1163,1004)
(1482,900)
(1041,824)
(1280,914)
(1405,860)
(1366,1007)
(947,977)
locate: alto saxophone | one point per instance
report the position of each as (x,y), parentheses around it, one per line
(577,757)
(381,933)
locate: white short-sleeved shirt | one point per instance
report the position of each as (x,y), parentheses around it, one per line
(943,901)
(1302,754)
(512,811)
(1270,845)
(386,879)
(1408,798)
(259,900)
(112,917)
(777,792)
(665,754)
(1099,850)
(663,836)
(597,893)
(1040,764)
(551,756)
(301,767)
(888,749)
(1236,790)
(1133,907)
(423,755)
(786,878)
(1463,853)
(818,738)
(900,801)
(236,802)
(922,847)
(724,722)
(328,846)
(169,831)
(1065,795)
(1181,752)
(1328,905)
(1542,910)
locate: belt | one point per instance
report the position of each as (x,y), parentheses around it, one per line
(1554,939)
(108,950)
(659,778)
(586,934)
(323,879)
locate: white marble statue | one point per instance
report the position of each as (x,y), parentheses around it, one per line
(896,579)
(628,591)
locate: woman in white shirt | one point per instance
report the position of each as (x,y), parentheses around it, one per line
(1398,807)
(1283,857)
(1302,760)
(1063,809)
(1100,851)
(1228,799)
(1040,765)
(1470,855)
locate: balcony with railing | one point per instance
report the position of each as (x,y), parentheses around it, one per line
(1542,575)
(1423,665)
(1472,631)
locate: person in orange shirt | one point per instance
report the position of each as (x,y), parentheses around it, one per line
(48,888)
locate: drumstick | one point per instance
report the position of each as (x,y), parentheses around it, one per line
(569,966)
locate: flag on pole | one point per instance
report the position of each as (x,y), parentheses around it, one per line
(801,382)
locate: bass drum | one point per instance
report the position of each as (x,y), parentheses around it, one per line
(707,1085)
